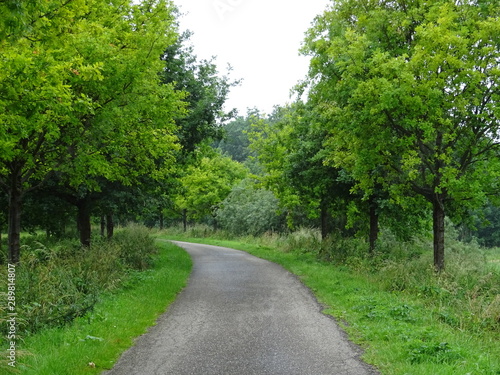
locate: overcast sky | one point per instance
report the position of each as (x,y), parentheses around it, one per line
(259,38)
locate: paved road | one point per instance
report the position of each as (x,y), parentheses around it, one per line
(241,315)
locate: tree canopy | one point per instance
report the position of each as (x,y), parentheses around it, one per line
(207,183)
(80,94)
(409,93)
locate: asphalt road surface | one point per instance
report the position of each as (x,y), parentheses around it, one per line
(241,315)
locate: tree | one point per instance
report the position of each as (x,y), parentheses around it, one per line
(483,225)
(290,147)
(42,210)
(35,103)
(235,141)
(206,93)
(80,94)
(268,142)
(147,188)
(207,183)
(410,93)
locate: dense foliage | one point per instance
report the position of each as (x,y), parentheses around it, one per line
(59,282)
(206,184)
(111,118)
(101,105)
(408,92)
(250,210)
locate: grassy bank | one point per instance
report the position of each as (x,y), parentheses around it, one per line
(408,319)
(94,341)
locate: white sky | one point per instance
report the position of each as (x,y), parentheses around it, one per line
(259,38)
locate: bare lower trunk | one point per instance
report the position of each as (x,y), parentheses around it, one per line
(184,219)
(162,220)
(83,221)
(103,225)
(438,229)
(374,225)
(324,220)
(110,225)
(14,230)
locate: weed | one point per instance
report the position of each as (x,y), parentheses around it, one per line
(432,352)
(403,312)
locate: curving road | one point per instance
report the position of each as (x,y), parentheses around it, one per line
(241,315)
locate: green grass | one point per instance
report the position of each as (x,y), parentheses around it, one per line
(404,329)
(103,334)
(402,332)
(493,257)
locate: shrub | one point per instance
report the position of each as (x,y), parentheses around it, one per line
(137,247)
(63,281)
(250,211)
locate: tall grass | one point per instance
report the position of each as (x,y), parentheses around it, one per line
(93,342)
(60,281)
(466,295)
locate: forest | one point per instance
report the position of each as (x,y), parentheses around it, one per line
(107,118)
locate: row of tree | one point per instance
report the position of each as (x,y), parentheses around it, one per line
(101,105)
(396,124)
(401,117)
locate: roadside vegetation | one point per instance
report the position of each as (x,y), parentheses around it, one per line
(408,319)
(78,310)
(389,156)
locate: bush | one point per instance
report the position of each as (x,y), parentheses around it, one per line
(250,211)
(137,247)
(63,281)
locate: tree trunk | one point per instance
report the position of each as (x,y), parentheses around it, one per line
(162,224)
(110,225)
(103,225)
(374,227)
(214,216)
(215,223)
(14,230)
(324,220)
(83,221)
(184,219)
(438,229)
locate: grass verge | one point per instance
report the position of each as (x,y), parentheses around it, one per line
(94,342)
(400,331)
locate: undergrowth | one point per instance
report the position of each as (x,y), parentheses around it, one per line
(93,343)
(60,281)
